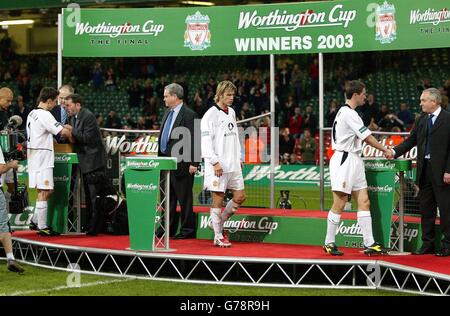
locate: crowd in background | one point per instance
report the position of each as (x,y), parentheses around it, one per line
(296,89)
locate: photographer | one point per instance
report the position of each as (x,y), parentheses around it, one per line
(6,97)
(5,235)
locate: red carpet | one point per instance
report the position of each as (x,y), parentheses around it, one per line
(296,213)
(243,249)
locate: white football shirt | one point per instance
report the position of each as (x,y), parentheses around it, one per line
(348,131)
(41,126)
(220,140)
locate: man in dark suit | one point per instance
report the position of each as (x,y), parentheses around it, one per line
(88,144)
(431,135)
(176,117)
(59,112)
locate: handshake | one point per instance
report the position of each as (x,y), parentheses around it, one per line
(388,153)
(67,133)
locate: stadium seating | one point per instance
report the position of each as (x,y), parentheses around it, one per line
(390,84)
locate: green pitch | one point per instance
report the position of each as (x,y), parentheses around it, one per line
(303,197)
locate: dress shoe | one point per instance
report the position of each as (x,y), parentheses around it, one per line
(445,252)
(13,266)
(181,236)
(424,251)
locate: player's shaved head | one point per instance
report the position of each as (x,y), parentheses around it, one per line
(6,97)
(6,93)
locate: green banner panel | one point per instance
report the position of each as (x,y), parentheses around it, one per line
(33,4)
(142,188)
(58,204)
(297,28)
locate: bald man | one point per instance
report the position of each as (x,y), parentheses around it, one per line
(59,112)
(6,97)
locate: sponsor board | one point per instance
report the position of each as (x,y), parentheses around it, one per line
(290,28)
(21,221)
(299,230)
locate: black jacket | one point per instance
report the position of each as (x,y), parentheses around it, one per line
(185,118)
(88,141)
(56,112)
(440,146)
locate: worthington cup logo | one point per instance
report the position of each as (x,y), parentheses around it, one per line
(197,35)
(385,165)
(113,31)
(385,27)
(61,179)
(262,225)
(291,21)
(385,189)
(430,16)
(62,158)
(143,145)
(142,187)
(146,164)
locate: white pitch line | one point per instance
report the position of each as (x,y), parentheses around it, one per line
(60,288)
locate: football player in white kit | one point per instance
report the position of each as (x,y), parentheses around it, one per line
(41,126)
(221,151)
(347,169)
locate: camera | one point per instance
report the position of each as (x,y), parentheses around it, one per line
(12,141)
(12,147)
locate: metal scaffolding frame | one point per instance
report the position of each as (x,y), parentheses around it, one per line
(74,211)
(162,220)
(272,272)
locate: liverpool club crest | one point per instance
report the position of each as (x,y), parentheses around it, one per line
(197,35)
(385,28)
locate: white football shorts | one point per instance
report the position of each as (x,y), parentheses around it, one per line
(347,172)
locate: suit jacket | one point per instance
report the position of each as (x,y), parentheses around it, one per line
(185,118)
(56,112)
(88,141)
(439,150)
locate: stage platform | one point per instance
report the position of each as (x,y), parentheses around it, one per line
(245,263)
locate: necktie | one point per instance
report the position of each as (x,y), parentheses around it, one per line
(428,142)
(63,116)
(166,131)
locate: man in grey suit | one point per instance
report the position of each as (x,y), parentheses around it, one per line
(178,115)
(88,144)
(431,135)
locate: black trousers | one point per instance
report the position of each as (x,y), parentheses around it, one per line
(431,196)
(96,184)
(181,192)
